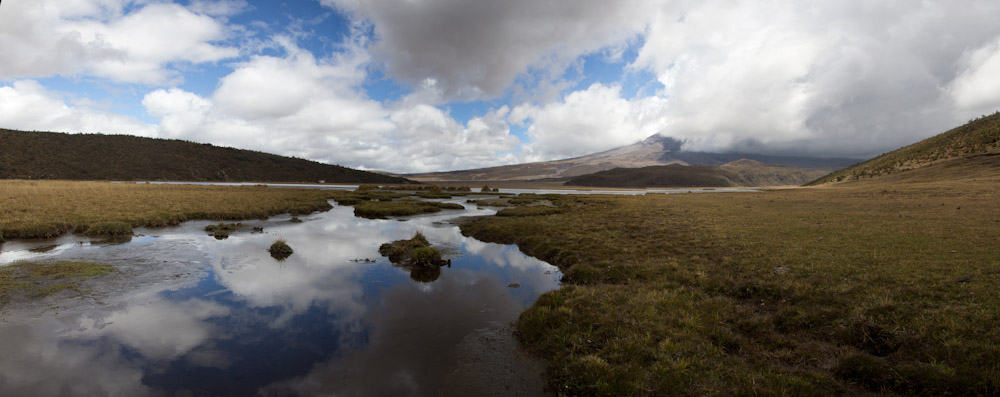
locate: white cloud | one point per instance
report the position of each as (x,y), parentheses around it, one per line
(976,90)
(26,105)
(477,48)
(589,121)
(313,108)
(45,38)
(844,78)
(160,330)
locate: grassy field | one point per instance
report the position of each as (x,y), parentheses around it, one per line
(858,288)
(38,209)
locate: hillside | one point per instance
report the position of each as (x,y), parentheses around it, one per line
(964,150)
(50,155)
(742,172)
(656,150)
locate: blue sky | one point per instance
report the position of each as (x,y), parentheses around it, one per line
(456,84)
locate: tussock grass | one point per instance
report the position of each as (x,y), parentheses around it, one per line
(416,254)
(400,251)
(42,209)
(858,288)
(38,279)
(280,250)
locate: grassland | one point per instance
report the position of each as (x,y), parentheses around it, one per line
(37,279)
(886,288)
(40,209)
(979,137)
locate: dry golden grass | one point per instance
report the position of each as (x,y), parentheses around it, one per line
(862,287)
(33,209)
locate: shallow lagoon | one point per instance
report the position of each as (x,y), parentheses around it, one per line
(187,313)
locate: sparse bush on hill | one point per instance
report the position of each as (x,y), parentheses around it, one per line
(977,137)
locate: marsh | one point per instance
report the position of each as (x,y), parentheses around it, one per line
(184,312)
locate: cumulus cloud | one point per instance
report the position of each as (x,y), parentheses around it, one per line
(844,78)
(477,48)
(299,105)
(98,38)
(976,90)
(589,121)
(848,78)
(27,105)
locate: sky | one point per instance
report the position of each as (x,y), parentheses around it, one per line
(434,85)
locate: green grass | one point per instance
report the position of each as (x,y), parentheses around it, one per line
(860,288)
(38,279)
(44,209)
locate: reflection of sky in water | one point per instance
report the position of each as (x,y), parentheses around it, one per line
(322,321)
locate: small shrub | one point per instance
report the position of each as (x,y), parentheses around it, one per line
(280,250)
(296,219)
(423,261)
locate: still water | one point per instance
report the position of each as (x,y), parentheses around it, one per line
(186,314)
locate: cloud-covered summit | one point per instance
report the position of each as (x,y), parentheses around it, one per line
(449,84)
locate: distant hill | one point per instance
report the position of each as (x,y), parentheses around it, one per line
(962,151)
(742,172)
(51,155)
(656,150)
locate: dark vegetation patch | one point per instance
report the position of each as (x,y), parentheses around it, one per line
(222,230)
(673,175)
(491,203)
(416,254)
(847,290)
(39,279)
(280,250)
(383,209)
(737,173)
(50,155)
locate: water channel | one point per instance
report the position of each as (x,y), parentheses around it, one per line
(186,314)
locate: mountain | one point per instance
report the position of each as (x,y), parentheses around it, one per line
(970,150)
(51,155)
(741,172)
(653,151)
